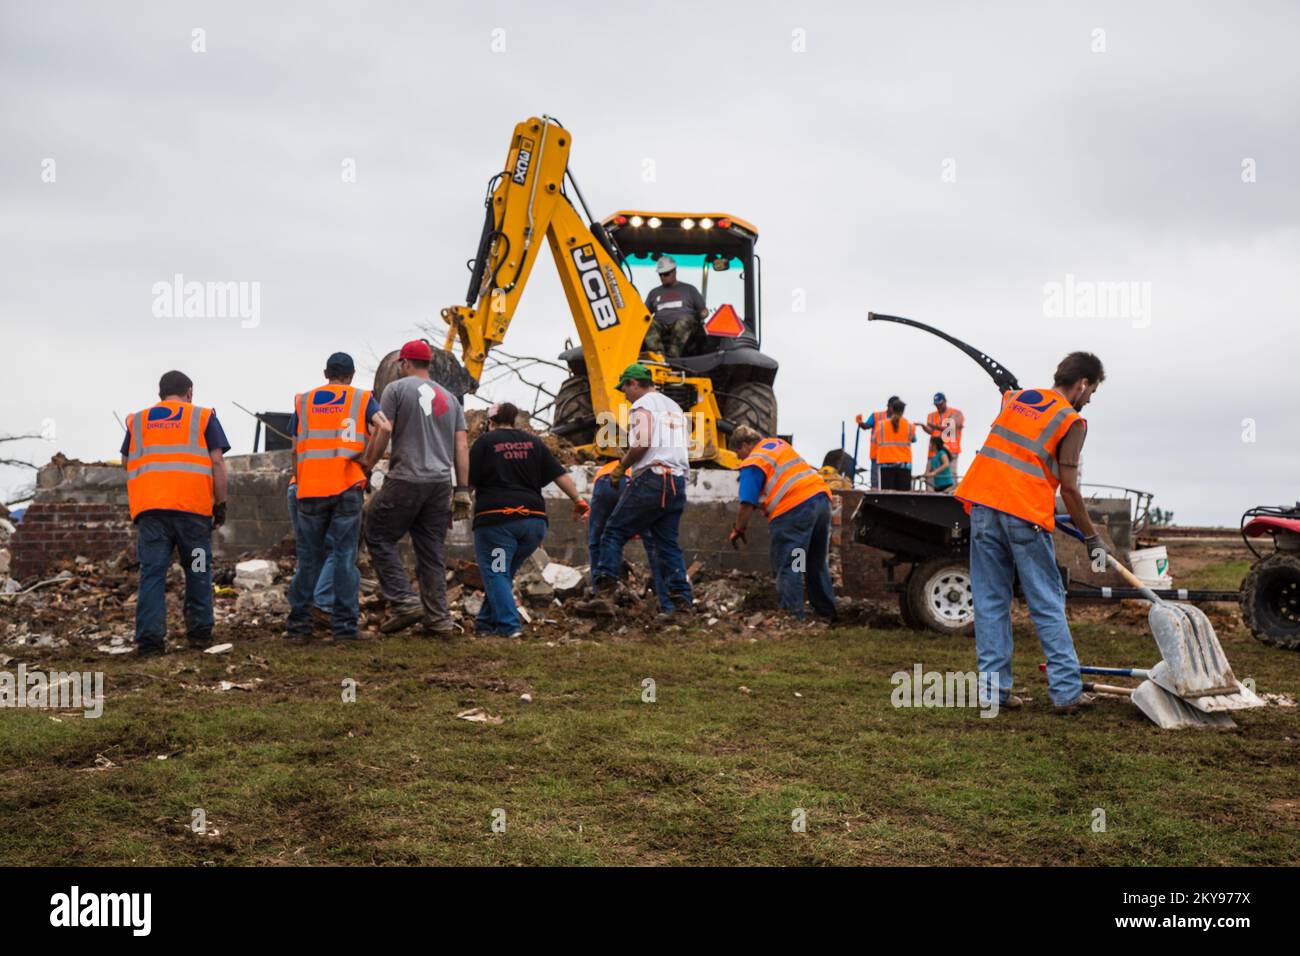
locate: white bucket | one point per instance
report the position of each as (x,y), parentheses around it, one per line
(1152,566)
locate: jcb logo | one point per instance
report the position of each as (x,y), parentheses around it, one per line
(522,160)
(593,283)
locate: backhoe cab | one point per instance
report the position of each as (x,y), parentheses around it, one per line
(606,270)
(714,252)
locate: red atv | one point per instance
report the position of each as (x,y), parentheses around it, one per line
(1270,595)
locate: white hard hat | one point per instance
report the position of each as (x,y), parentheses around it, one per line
(665,265)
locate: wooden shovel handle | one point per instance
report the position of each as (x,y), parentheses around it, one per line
(1133,580)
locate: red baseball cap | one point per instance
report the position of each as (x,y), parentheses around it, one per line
(418,350)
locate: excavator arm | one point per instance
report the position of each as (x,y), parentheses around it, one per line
(526,203)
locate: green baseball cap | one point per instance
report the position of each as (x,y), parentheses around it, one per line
(635,373)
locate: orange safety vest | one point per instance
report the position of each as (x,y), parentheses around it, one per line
(1016,470)
(167,465)
(893,445)
(875,418)
(331,435)
(788,479)
(938,420)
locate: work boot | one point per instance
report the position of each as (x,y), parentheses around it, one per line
(1082,702)
(401,617)
(150,650)
(199,641)
(1010,702)
(321,617)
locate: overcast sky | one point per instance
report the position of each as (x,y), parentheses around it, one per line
(946,162)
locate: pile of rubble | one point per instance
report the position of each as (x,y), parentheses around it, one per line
(90,606)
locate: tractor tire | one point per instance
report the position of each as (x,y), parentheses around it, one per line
(1270,600)
(575,418)
(752,404)
(444,369)
(939,595)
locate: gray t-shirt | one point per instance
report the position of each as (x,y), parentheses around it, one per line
(668,303)
(425,419)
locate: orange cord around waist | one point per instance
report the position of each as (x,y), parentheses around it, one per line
(514,510)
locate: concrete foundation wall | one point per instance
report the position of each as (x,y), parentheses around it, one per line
(81,510)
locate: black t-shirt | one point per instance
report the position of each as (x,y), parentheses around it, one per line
(508,469)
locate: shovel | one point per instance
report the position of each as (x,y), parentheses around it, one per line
(1162,708)
(1194,663)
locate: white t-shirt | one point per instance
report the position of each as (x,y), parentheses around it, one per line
(669,434)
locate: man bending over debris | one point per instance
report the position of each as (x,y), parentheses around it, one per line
(509,468)
(332,459)
(656,463)
(797,502)
(605,492)
(429,441)
(174,455)
(1010,491)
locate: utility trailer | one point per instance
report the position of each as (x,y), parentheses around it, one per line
(927,538)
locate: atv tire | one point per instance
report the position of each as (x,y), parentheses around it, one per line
(1270,600)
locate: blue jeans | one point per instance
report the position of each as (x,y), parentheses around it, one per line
(334,524)
(652,507)
(501,549)
(805,528)
(159,534)
(604,498)
(1001,546)
(324,595)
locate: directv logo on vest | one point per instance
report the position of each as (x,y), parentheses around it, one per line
(103,909)
(160,416)
(323,399)
(179,299)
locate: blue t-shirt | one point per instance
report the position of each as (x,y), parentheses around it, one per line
(751,484)
(214,436)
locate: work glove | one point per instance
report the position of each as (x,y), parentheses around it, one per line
(218,515)
(858,418)
(616,476)
(461,503)
(580,509)
(735,537)
(1097,552)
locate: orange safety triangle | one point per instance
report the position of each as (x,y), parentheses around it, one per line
(724,321)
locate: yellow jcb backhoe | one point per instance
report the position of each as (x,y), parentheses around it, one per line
(721,380)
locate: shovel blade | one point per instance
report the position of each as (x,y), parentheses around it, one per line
(1173,713)
(1242,697)
(1196,662)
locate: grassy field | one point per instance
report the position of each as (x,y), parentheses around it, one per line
(588,773)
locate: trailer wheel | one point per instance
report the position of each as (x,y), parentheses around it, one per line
(940,597)
(1270,600)
(905,612)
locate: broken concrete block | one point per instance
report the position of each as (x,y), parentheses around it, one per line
(472,603)
(252,575)
(561,577)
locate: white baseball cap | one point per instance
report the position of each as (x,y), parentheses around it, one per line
(665,265)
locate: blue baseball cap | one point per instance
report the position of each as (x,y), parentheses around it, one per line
(939,397)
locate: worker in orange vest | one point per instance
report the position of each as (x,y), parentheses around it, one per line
(946,422)
(174,455)
(894,437)
(868,425)
(335,428)
(797,503)
(1010,492)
